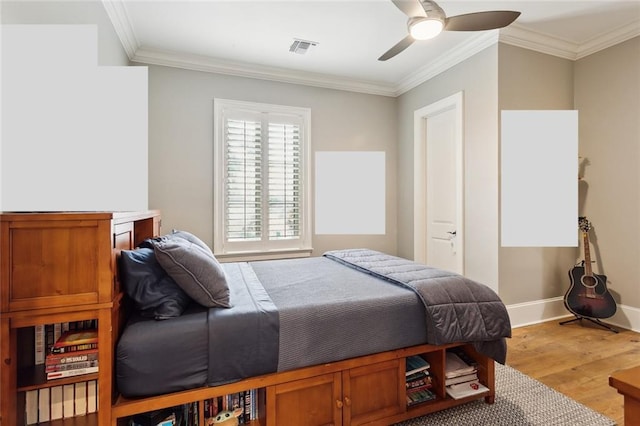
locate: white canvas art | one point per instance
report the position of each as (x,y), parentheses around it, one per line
(350,192)
(539,181)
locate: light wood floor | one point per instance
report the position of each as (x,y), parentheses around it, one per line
(576,359)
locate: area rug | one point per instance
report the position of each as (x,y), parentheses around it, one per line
(520,401)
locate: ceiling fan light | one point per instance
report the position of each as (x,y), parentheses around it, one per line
(425,29)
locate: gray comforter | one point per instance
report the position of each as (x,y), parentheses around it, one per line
(457,309)
(293,313)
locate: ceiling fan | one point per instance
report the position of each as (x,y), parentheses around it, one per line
(427,20)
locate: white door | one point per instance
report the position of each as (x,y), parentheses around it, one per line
(438,215)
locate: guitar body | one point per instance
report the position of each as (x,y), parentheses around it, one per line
(588,295)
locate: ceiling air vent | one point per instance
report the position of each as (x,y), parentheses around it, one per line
(301,46)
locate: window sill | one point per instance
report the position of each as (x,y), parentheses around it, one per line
(246,256)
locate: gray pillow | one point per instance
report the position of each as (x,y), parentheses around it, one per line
(191,238)
(155,293)
(194,269)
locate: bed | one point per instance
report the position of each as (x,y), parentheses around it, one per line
(286,315)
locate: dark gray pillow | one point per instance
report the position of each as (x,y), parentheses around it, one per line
(153,291)
(194,269)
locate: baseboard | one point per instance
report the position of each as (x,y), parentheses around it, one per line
(537,311)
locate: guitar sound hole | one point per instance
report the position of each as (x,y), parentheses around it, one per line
(589,281)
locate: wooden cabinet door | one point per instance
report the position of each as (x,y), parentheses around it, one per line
(373,392)
(61,262)
(315,401)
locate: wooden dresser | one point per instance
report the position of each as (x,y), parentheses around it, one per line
(57,267)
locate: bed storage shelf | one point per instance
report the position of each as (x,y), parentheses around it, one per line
(368,390)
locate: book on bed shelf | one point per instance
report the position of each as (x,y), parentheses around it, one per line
(248,400)
(465,389)
(461,375)
(417,396)
(418,380)
(415,364)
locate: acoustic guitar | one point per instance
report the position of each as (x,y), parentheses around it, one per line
(588,295)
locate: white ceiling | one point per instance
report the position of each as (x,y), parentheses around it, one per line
(252,38)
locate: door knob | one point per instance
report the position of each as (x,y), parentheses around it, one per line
(452,233)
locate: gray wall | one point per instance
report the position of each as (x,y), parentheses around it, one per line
(477,77)
(181,143)
(529,80)
(607,93)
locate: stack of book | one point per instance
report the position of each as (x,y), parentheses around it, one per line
(74,353)
(418,380)
(248,400)
(61,401)
(461,375)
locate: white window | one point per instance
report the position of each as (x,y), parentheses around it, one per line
(261,180)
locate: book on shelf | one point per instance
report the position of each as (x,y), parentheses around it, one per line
(464,356)
(417,375)
(39,344)
(455,366)
(71,373)
(43,405)
(463,390)
(80,401)
(246,400)
(60,402)
(56,400)
(415,364)
(69,357)
(92,396)
(420,395)
(419,388)
(416,382)
(68,397)
(31,407)
(460,379)
(71,366)
(73,341)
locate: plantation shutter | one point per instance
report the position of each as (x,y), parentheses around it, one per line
(243,185)
(262,178)
(284,181)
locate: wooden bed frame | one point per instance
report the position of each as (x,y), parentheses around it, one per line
(37,288)
(368,390)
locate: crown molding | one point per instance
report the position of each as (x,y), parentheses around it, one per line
(609,39)
(206,64)
(519,36)
(117,12)
(459,53)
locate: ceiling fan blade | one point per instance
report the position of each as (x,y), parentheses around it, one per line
(410,8)
(481,21)
(399,47)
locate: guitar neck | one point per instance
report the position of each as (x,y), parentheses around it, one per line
(587,254)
